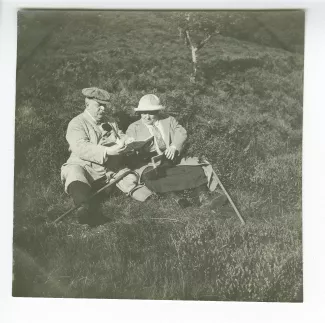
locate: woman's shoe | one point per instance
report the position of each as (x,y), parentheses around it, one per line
(213,202)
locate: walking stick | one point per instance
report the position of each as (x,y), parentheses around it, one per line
(117,179)
(230,200)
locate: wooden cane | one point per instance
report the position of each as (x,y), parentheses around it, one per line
(230,200)
(117,179)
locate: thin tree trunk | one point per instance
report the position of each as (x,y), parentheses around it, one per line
(194,62)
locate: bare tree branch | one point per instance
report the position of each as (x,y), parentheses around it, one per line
(188,37)
(203,42)
(186,42)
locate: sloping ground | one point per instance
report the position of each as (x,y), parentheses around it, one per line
(244,115)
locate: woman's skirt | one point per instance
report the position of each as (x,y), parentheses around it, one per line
(174,178)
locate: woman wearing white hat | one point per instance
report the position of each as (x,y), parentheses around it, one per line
(176,173)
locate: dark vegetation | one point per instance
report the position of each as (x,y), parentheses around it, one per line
(244,114)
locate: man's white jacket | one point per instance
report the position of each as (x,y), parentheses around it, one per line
(84,136)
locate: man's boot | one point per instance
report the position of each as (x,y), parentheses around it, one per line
(80,192)
(88,213)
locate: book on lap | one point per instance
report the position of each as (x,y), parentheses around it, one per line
(138,145)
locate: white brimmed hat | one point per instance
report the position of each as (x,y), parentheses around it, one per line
(149,102)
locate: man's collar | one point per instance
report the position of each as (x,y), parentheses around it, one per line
(90,117)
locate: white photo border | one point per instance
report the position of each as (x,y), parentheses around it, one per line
(84,310)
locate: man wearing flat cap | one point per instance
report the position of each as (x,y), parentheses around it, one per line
(175,172)
(96,150)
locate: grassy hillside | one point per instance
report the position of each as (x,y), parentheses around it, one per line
(244,114)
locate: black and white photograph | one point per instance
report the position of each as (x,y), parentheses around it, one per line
(158,155)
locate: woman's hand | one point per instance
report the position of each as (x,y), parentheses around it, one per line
(170,152)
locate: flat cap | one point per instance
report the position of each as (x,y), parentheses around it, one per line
(96,94)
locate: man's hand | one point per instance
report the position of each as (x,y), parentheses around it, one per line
(105,141)
(170,152)
(121,142)
(115,150)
